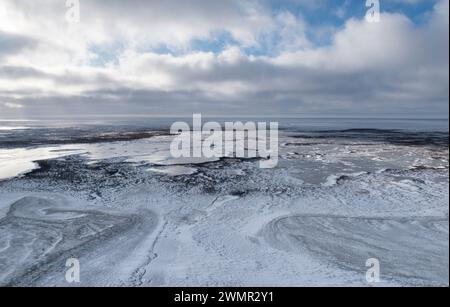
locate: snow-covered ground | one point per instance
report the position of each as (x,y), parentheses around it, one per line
(134,216)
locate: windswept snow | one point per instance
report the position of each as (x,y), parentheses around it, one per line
(135,217)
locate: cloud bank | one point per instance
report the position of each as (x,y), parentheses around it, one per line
(221,58)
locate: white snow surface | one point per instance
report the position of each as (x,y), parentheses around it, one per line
(135,217)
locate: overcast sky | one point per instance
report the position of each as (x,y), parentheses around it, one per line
(224,57)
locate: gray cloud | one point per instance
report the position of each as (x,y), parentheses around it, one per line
(12,43)
(389,69)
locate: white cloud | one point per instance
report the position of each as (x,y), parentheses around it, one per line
(391,66)
(13,105)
